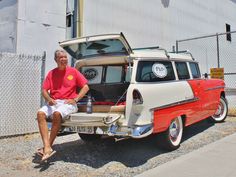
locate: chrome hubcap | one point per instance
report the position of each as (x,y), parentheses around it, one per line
(174,130)
(219,112)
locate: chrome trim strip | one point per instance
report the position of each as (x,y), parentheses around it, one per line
(215,88)
(175,104)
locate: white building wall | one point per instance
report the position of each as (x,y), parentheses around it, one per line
(41,25)
(158,22)
(161,22)
(32,27)
(8,14)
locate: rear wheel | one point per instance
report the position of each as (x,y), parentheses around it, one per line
(171,138)
(222,111)
(89,137)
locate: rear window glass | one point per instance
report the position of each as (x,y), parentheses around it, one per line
(93,74)
(107,74)
(155,71)
(96,48)
(182,70)
(113,74)
(195,70)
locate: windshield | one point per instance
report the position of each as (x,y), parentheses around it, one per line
(95,48)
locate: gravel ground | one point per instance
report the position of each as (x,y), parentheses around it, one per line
(102,158)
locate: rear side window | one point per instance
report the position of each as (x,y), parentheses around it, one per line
(93,74)
(182,70)
(195,70)
(113,74)
(106,74)
(155,71)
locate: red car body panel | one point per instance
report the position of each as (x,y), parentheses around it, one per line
(207,94)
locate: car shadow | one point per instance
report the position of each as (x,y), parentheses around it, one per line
(129,152)
(196,128)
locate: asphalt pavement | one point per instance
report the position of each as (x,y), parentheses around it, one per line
(217,159)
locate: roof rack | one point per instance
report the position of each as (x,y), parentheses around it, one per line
(155,47)
(168,56)
(184,52)
(146,48)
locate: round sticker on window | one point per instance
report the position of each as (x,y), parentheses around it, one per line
(159,70)
(90,73)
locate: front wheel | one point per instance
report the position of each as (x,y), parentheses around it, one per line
(221,112)
(171,138)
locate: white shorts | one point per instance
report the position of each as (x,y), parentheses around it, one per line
(61,107)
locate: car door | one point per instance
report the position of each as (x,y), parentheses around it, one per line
(196,84)
(199,86)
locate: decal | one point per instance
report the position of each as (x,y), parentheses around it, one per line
(90,73)
(159,70)
(70,77)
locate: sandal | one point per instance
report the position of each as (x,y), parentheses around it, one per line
(47,155)
(40,151)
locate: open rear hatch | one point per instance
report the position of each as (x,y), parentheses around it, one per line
(93,49)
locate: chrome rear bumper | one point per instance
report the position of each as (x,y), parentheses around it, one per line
(137,132)
(107,124)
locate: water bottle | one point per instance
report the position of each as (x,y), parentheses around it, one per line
(89,105)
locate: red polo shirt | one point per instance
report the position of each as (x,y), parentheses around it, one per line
(63,84)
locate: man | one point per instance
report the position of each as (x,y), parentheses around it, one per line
(59,91)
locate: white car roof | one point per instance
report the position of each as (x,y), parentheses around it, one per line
(161,54)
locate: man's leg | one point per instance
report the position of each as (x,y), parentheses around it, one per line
(43,129)
(56,125)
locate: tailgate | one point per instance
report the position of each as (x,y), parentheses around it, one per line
(94,119)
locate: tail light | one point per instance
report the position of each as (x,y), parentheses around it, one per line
(137,97)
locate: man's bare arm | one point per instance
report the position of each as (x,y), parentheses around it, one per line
(47,98)
(81,94)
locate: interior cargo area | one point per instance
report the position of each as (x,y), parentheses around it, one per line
(108,86)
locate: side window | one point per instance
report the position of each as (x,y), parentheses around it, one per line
(182,70)
(93,74)
(195,70)
(113,74)
(154,71)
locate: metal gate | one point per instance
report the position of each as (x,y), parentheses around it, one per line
(20,88)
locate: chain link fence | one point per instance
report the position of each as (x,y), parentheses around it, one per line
(215,51)
(20,92)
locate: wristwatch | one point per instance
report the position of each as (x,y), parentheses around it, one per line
(76,100)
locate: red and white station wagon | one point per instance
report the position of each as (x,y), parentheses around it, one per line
(138,92)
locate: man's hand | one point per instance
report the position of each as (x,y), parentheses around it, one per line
(52,102)
(70,101)
(47,98)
